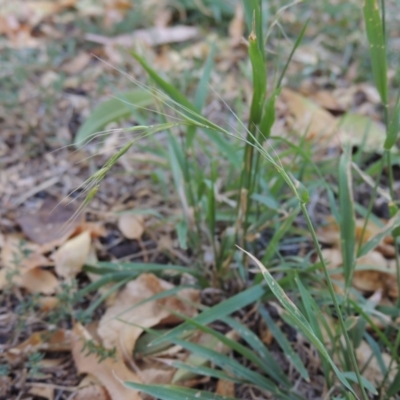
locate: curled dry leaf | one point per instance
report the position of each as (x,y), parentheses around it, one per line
(330,234)
(373,372)
(45,392)
(71,256)
(38,280)
(151,37)
(117,326)
(17,254)
(52,225)
(92,392)
(58,340)
(22,262)
(374,272)
(110,372)
(320,125)
(131,226)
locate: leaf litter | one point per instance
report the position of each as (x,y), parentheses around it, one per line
(54,249)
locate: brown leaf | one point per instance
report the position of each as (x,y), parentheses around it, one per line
(321,126)
(58,340)
(131,226)
(19,255)
(237,25)
(71,256)
(92,392)
(110,372)
(372,371)
(53,223)
(77,64)
(38,280)
(156,36)
(42,391)
(225,388)
(121,332)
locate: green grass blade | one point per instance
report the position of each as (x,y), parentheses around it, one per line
(204,371)
(169,89)
(259,75)
(377,46)
(298,319)
(233,367)
(394,127)
(394,388)
(219,311)
(347,217)
(268,361)
(392,224)
(202,87)
(112,110)
(296,45)
(171,392)
(273,243)
(311,310)
(268,117)
(269,369)
(253,13)
(285,344)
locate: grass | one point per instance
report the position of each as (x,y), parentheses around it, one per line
(270,182)
(260,180)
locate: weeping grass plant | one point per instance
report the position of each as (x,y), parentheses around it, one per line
(257,202)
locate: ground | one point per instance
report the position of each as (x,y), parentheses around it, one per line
(60,60)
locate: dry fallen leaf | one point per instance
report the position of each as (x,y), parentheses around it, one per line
(225,388)
(38,280)
(110,372)
(71,256)
(46,392)
(319,125)
(122,332)
(131,226)
(53,223)
(92,392)
(373,372)
(151,37)
(22,262)
(52,341)
(237,26)
(376,274)
(77,64)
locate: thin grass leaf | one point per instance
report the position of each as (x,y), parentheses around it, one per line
(347,217)
(268,117)
(394,388)
(204,371)
(298,319)
(203,85)
(112,110)
(268,361)
(392,224)
(171,392)
(91,309)
(279,233)
(233,367)
(218,311)
(394,127)
(377,46)
(295,46)
(284,344)
(259,77)
(269,368)
(253,13)
(169,89)
(311,308)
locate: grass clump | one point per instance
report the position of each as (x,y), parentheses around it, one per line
(267,192)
